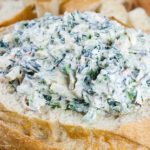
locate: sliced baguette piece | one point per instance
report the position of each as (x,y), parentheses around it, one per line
(139,19)
(43,6)
(112,8)
(84,5)
(13,11)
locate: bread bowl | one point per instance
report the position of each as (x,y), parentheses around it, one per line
(74,123)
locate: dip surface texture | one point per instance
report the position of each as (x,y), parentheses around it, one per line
(80,61)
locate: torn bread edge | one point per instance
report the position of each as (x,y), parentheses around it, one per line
(43,6)
(27,13)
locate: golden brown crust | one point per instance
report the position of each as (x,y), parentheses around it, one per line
(137,131)
(63,135)
(129,4)
(27,13)
(125,25)
(12,140)
(100,138)
(145,4)
(84,5)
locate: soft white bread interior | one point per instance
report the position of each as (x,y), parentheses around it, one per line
(47,6)
(111,8)
(13,10)
(140,19)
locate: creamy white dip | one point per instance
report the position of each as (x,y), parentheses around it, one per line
(79,61)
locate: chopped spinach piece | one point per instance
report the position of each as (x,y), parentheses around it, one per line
(148,83)
(90,36)
(78,105)
(25,24)
(87,80)
(31,67)
(3,44)
(55,105)
(115,105)
(135,72)
(94,73)
(102,58)
(48,98)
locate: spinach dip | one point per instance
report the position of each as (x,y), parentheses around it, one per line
(80,61)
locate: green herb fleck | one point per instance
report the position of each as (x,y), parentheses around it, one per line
(78,105)
(132,94)
(94,73)
(55,105)
(90,36)
(66,69)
